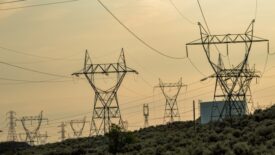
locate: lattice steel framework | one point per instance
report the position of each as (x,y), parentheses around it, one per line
(106,107)
(27,123)
(62,131)
(12,136)
(233,83)
(171,112)
(146,115)
(42,138)
(125,125)
(80,126)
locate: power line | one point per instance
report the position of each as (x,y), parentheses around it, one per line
(265,64)
(32,70)
(14,1)
(38,5)
(135,35)
(203,16)
(32,81)
(256,9)
(29,54)
(197,69)
(208,29)
(130,107)
(180,13)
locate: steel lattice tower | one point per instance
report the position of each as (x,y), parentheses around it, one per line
(81,124)
(62,131)
(12,137)
(146,115)
(31,130)
(125,125)
(42,138)
(22,137)
(106,107)
(233,83)
(171,111)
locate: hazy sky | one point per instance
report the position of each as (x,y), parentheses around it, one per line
(66,30)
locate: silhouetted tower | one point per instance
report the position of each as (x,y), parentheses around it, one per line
(233,82)
(22,137)
(125,125)
(146,115)
(12,137)
(31,128)
(62,131)
(42,138)
(171,112)
(106,107)
(78,126)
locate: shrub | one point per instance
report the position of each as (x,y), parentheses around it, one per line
(241,148)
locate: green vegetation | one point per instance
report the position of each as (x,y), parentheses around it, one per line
(251,135)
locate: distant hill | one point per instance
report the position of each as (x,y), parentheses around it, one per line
(251,135)
(12,147)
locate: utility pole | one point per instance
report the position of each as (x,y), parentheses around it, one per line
(80,124)
(32,129)
(146,115)
(12,137)
(232,83)
(62,131)
(194,115)
(106,109)
(171,111)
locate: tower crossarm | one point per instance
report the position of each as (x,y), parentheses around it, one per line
(247,73)
(106,69)
(171,85)
(226,39)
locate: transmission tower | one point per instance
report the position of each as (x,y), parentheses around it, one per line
(12,137)
(62,131)
(42,138)
(106,108)
(233,83)
(32,129)
(125,125)
(146,115)
(22,137)
(171,112)
(80,126)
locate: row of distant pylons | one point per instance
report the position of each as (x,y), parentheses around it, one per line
(32,126)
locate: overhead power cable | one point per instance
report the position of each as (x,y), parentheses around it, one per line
(208,29)
(196,67)
(33,81)
(35,71)
(135,35)
(28,54)
(38,5)
(256,9)
(14,1)
(203,16)
(180,13)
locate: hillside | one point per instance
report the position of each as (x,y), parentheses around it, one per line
(252,135)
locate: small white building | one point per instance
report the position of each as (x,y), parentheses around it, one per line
(215,107)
